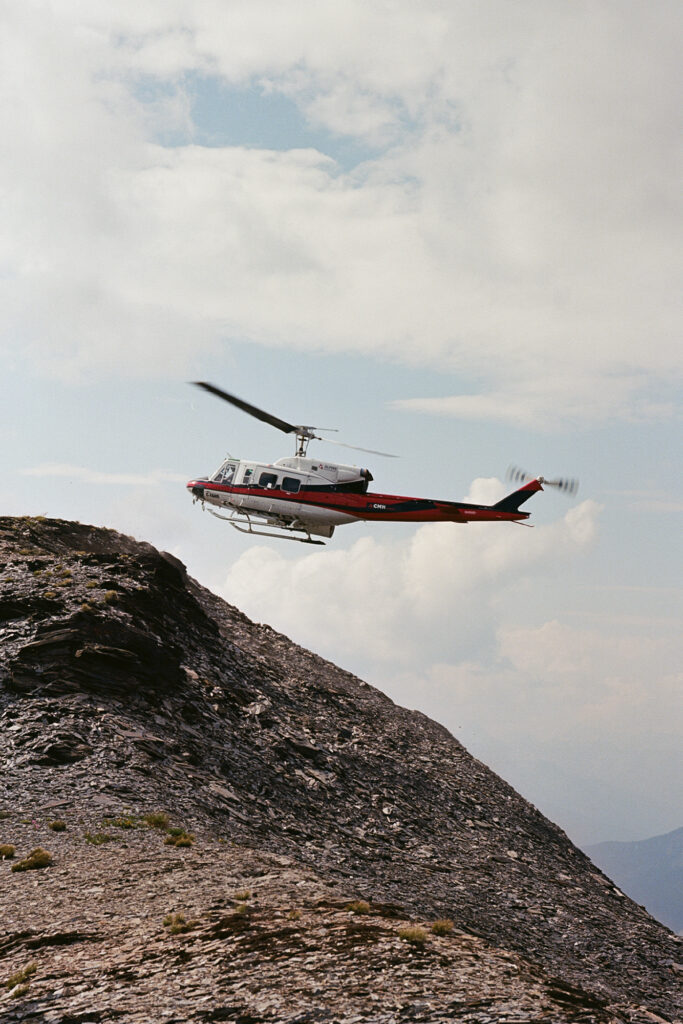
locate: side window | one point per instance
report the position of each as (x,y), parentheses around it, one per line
(267,480)
(290,483)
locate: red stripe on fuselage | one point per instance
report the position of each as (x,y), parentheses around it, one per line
(369,507)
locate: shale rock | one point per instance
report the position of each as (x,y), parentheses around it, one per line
(126,689)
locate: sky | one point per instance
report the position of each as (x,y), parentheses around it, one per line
(450,230)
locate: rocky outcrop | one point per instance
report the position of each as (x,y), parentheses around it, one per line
(126,688)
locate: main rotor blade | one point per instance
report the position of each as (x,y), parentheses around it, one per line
(369,451)
(265,417)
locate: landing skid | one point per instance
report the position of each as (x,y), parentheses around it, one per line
(244,524)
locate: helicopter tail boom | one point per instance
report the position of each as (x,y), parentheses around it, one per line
(512,502)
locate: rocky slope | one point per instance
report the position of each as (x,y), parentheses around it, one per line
(126,689)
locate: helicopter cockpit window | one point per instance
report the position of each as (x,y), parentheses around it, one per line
(290,483)
(226,474)
(268,480)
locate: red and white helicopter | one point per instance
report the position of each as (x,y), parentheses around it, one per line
(310,497)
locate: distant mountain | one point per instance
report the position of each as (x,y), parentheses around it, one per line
(649,871)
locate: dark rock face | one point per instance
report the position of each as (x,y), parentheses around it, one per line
(124,685)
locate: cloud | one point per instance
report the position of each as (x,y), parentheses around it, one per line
(96,476)
(438,590)
(517,224)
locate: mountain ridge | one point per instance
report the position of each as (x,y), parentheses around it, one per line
(125,686)
(649,870)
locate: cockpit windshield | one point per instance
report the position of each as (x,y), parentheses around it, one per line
(226,473)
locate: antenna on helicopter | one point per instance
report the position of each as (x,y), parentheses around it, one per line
(568,485)
(303,434)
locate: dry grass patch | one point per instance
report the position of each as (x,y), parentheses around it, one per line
(178,836)
(21,976)
(358,907)
(157,819)
(444,927)
(6,851)
(98,838)
(177,924)
(414,935)
(36,859)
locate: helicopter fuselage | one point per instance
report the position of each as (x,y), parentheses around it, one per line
(299,494)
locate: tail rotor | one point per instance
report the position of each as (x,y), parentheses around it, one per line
(568,485)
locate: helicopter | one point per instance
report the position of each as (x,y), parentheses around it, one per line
(301,498)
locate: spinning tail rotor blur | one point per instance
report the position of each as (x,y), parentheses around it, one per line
(568,485)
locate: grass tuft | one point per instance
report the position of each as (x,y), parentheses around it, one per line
(156,819)
(242,894)
(20,976)
(184,839)
(37,858)
(178,925)
(444,927)
(98,838)
(6,851)
(414,935)
(293,915)
(359,907)
(58,825)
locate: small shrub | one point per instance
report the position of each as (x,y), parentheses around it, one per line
(50,593)
(414,935)
(57,826)
(86,607)
(6,851)
(240,910)
(176,830)
(91,584)
(184,839)
(242,894)
(110,597)
(444,927)
(98,838)
(19,990)
(359,907)
(21,976)
(178,925)
(37,858)
(157,819)
(293,915)
(121,822)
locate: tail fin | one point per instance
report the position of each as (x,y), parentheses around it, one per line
(512,501)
